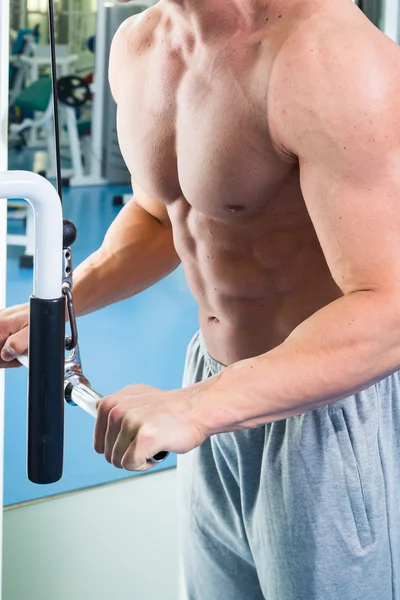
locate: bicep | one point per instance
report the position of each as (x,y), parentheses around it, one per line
(356,214)
(342,123)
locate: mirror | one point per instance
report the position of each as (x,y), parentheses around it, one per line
(94,505)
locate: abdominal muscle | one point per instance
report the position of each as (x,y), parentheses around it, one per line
(255,279)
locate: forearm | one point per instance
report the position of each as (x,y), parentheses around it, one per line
(137,252)
(344,348)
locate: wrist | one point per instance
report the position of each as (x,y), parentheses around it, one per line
(228,402)
(209,408)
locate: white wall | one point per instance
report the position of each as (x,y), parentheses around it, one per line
(117,542)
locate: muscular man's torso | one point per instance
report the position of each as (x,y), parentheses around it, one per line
(196,133)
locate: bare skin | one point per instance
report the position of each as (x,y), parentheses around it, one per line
(233,196)
(265,155)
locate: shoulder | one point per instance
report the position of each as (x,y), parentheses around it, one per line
(131,39)
(337,73)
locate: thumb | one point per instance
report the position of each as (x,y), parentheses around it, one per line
(15,345)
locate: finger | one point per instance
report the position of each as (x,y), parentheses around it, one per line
(15,345)
(114,427)
(125,437)
(140,451)
(131,461)
(103,411)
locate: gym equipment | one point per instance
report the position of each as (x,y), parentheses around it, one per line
(39,59)
(37,98)
(20,41)
(50,377)
(25,240)
(78,391)
(32,65)
(73,91)
(24,46)
(46,340)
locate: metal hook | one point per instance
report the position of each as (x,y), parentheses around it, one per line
(72,340)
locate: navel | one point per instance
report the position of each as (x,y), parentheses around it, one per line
(234,207)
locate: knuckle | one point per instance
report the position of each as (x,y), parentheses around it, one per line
(130,462)
(105,406)
(147,434)
(116,414)
(141,388)
(129,422)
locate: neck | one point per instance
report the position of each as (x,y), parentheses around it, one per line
(206,16)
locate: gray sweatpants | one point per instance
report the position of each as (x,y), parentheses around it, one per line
(307,508)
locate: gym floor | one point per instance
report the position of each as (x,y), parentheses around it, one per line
(141,340)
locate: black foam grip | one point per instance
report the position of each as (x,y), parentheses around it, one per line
(46,390)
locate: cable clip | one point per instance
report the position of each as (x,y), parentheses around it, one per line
(72,340)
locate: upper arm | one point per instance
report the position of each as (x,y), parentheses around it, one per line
(338,111)
(127,44)
(142,219)
(120,55)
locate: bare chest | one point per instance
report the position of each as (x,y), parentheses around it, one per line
(201,133)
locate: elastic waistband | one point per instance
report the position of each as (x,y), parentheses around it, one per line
(214,366)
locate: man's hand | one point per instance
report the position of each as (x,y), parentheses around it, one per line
(136,423)
(13,334)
